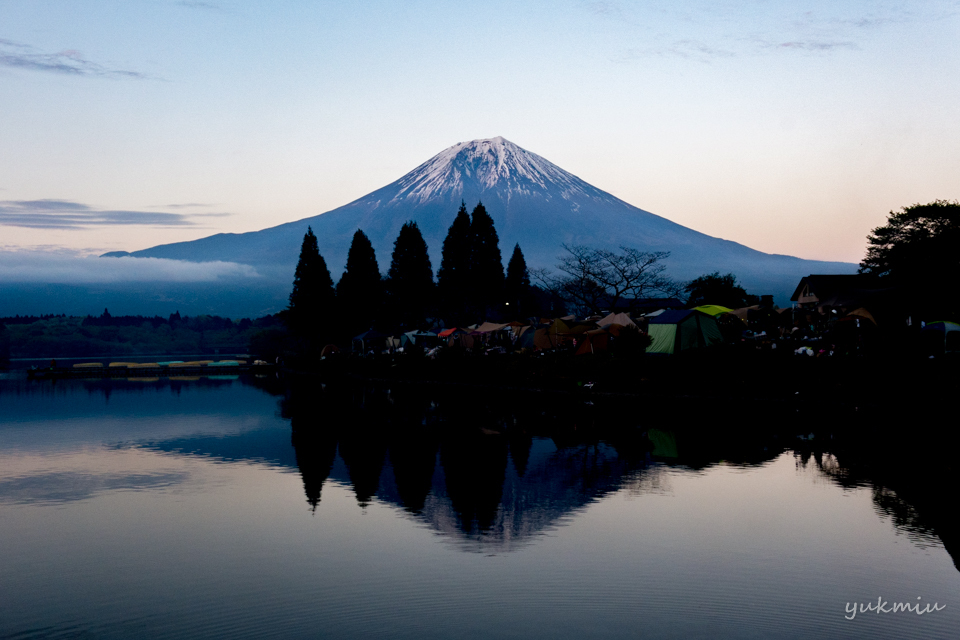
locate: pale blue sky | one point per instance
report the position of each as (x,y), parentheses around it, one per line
(793,127)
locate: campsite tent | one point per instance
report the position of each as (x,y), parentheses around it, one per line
(595,341)
(329,350)
(421,338)
(372,339)
(525,339)
(543,339)
(713,309)
(621,319)
(941,336)
(675,331)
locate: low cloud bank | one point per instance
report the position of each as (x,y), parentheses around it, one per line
(66,268)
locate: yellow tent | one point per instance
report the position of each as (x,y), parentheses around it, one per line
(713,309)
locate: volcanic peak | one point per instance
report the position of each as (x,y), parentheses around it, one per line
(488,164)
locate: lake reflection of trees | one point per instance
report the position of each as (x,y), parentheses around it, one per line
(496,468)
(915,489)
(493,471)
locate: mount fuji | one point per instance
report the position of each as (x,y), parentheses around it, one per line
(533,202)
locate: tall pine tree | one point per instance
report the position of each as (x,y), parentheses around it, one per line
(410,279)
(360,290)
(312,298)
(516,287)
(453,279)
(486,264)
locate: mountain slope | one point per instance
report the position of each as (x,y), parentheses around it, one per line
(532,201)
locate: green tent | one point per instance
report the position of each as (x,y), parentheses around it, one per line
(676,331)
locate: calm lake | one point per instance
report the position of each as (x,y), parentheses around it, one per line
(258,507)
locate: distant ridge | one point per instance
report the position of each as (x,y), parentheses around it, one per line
(533,202)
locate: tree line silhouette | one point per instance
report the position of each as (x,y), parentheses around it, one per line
(470,285)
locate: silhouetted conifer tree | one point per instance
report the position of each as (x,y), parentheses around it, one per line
(486,264)
(312,298)
(410,279)
(714,288)
(454,280)
(517,285)
(360,290)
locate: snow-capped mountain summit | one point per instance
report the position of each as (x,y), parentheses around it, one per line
(532,201)
(493,163)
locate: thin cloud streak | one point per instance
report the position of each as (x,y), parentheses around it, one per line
(705,52)
(816,46)
(181,205)
(64,214)
(68,62)
(686,49)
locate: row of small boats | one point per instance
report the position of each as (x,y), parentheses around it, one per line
(172,364)
(167,368)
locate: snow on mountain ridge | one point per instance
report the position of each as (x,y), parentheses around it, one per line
(493,163)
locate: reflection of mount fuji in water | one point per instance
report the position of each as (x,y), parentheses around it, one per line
(454,465)
(489,493)
(494,473)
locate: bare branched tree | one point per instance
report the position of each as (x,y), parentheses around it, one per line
(594,280)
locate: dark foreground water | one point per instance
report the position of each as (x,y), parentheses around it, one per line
(251,508)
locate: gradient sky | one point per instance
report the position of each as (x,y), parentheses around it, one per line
(792,127)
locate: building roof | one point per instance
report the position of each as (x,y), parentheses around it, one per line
(834,290)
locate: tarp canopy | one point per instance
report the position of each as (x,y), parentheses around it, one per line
(744,312)
(487,327)
(676,331)
(713,309)
(862,313)
(562,326)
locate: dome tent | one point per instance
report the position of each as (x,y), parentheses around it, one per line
(941,336)
(678,330)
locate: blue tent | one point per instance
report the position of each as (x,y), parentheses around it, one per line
(679,330)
